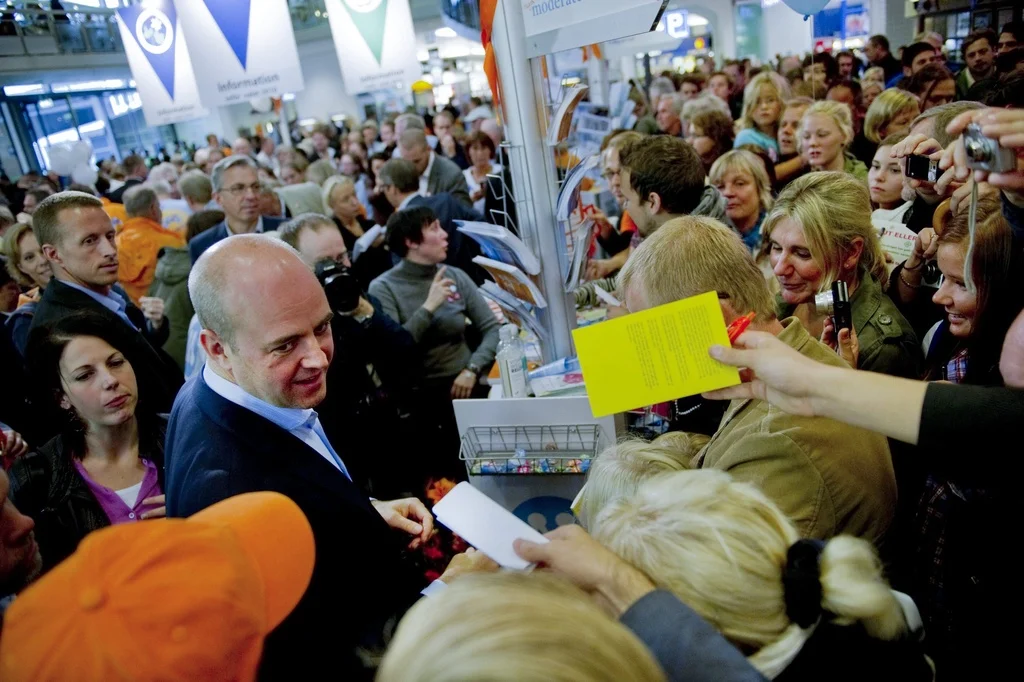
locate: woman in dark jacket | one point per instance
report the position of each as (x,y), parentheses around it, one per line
(106,465)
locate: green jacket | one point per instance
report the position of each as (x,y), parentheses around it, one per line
(828,477)
(856,168)
(888,344)
(171,284)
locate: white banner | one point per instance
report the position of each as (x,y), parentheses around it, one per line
(159,61)
(376,44)
(241,49)
(556,25)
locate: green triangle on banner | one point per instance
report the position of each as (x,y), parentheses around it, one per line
(370,20)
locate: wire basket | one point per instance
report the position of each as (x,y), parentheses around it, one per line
(500,450)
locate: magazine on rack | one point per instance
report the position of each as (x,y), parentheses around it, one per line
(573,219)
(562,122)
(515,310)
(513,280)
(500,244)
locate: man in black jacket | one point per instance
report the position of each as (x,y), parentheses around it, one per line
(247,423)
(77,237)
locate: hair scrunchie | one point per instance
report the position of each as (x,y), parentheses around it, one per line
(801,582)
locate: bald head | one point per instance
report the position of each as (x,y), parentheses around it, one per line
(266,321)
(491,129)
(414,148)
(227,275)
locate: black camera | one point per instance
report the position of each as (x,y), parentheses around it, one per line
(340,285)
(920,167)
(836,304)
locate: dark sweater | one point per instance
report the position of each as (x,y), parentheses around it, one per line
(441,335)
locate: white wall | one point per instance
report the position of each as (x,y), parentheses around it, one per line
(784,31)
(719,14)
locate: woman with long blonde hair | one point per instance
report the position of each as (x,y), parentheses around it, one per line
(762,108)
(820,232)
(799,609)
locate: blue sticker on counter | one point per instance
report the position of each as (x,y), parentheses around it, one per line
(546,513)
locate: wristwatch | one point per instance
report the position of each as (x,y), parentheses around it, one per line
(474,368)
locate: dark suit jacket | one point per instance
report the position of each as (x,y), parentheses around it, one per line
(117,196)
(158,375)
(446,176)
(215,450)
(202,242)
(461,249)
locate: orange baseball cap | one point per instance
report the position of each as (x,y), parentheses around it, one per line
(170,599)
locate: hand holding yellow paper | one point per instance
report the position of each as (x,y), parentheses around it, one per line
(654,356)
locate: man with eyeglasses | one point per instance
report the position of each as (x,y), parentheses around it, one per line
(236,187)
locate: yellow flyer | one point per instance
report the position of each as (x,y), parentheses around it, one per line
(654,356)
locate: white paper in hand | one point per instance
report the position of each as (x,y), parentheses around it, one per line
(485,524)
(364,243)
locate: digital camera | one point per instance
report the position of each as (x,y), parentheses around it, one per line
(836,304)
(340,286)
(984,153)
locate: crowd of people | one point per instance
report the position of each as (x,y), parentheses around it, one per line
(298,318)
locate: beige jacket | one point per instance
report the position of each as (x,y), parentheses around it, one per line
(828,477)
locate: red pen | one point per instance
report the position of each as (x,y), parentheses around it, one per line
(739,326)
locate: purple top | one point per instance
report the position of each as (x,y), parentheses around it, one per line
(113,506)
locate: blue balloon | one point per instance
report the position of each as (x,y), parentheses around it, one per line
(806,7)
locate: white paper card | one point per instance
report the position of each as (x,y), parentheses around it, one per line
(898,242)
(485,524)
(606,297)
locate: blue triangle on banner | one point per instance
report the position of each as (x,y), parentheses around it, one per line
(232,16)
(153,26)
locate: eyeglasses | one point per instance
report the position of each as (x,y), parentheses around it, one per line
(609,174)
(242,189)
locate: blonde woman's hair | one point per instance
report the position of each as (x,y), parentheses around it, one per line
(873,73)
(834,209)
(877,87)
(766,80)
(722,546)
(506,627)
(10,246)
(330,185)
(887,106)
(319,171)
(839,112)
(693,255)
(619,470)
(742,160)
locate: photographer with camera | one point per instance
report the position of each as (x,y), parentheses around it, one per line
(819,233)
(369,379)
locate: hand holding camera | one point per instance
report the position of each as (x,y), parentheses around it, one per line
(836,304)
(990,144)
(921,167)
(847,345)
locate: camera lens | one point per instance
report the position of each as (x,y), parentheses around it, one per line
(823,303)
(976,150)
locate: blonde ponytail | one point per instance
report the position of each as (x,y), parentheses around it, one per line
(854,590)
(730,553)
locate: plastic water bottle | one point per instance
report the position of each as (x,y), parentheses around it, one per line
(512,363)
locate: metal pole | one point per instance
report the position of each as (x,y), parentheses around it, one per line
(532,167)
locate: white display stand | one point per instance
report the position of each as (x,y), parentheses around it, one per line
(515,492)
